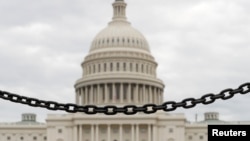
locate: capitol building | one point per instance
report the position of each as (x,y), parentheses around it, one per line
(118,70)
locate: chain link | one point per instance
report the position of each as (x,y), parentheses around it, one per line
(128,109)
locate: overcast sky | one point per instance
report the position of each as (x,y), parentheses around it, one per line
(201,46)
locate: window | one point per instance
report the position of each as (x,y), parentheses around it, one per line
(201,137)
(21,138)
(171,130)
(190,137)
(59,130)
(89,69)
(8,138)
(124,66)
(45,138)
(93,68)
(117,67)
(34,138)
(105,67)
(111,66)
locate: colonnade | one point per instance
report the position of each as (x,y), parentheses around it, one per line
(134,133)
(119,93)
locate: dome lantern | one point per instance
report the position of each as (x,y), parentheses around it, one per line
(119,7)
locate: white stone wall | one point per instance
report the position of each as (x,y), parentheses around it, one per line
(15,132)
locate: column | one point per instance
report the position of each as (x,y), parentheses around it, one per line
(75,133)
(113,93)
(121,93)
(136,93)
(98,94)
(155,95)
(155,133)
(92,132)
(141,94)
(76,98)
(132,132)
(83,94)
(159,96)
(91,94)
(86,95)
(121,133)
(80,132)
(150,94)
(137,132)
(149,133)
(94,94)
(97,132)
(106,93)
(129,93)
(108,132)
(144,94)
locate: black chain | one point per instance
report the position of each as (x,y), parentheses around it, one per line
(129,109)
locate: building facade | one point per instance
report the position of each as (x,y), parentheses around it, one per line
(118,70)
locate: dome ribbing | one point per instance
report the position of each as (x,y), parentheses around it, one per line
(119,68)
(119,33)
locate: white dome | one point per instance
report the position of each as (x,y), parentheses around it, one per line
(119,34)
(119,68)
